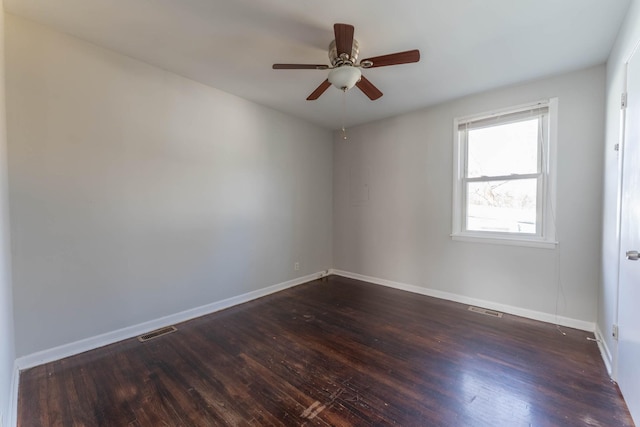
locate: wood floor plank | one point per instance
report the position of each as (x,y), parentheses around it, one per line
(333,352)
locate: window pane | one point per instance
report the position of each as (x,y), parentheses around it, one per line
(506,149)
(502,206)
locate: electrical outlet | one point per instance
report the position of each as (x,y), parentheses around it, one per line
(614,332)
(296,266)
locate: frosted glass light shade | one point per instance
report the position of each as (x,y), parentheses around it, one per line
(345,77)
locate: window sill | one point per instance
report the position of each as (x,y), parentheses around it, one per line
(500,240)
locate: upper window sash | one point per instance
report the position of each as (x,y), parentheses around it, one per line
(540,114)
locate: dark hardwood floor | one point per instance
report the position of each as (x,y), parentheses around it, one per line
(333,352)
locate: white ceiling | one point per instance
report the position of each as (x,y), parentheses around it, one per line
(467,46)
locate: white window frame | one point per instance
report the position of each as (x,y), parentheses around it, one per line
(545,236)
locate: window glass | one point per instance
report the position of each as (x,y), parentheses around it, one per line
(506,149)
(502,206)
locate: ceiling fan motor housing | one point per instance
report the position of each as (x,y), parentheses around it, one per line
(338,60)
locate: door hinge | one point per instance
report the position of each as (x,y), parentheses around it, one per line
(616,147)
(623,101)
(614,332)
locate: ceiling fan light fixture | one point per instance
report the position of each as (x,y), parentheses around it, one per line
(344,77)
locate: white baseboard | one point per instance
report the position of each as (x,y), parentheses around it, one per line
(518,311)
(91,343)
(604,351)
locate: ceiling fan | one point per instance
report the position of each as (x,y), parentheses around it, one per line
(345,72)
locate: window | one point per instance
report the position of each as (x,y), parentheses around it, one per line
(504,176)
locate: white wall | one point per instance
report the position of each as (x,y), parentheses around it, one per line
(628,37)
(7,344)
(136,193)
(401,233)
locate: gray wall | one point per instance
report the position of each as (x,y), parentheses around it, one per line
(401,233)
(136,193)
(628,37)
(7,345)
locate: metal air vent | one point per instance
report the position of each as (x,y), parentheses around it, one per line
(157,333)
(485,311)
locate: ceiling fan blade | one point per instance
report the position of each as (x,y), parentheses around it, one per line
(393,59)
(368,88)
(319,90)
(344,38)
(300,67)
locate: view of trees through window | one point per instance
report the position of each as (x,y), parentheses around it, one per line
(503,173)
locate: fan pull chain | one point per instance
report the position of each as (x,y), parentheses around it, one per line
(344,113)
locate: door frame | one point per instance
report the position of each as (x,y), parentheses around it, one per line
(620,184)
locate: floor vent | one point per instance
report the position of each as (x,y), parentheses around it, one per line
(157,333)
(485,311)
